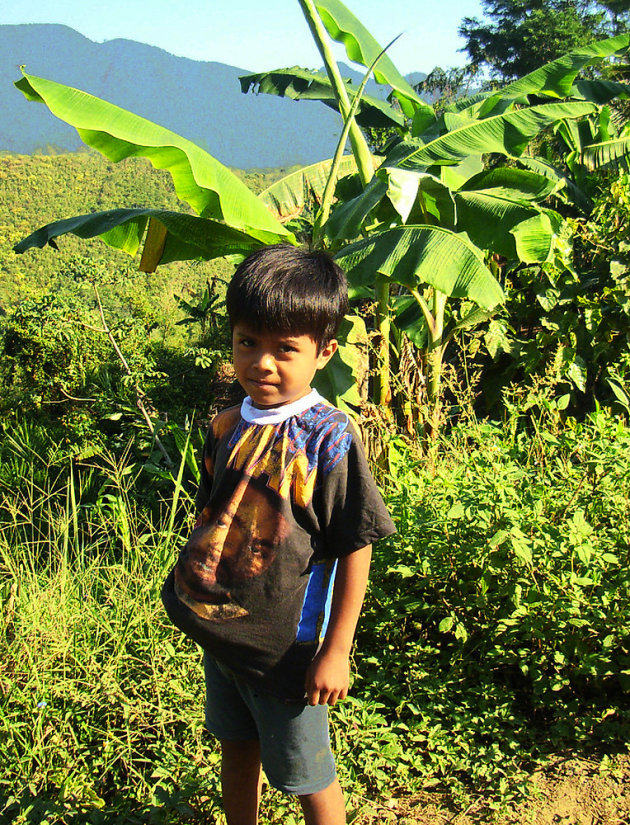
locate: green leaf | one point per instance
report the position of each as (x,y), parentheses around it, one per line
(187,236)
(409,319)
(506,134)
(200,180)
(456,176)
(600,91)
(556,78)
(473,318)
(416,255)
(287,197)
(446,624)
(509,182)
(607,153)
(407,189)
(346,220)
(496,339)
(340,381)
(577,371)
(303,84)
(362,48)
(564,185)
(534,239)
(489,219)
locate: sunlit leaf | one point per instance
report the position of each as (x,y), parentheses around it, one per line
(556,78)
(301,84)
(416,255)
(534,239)
(362,48)
(506,134)
(187,238)
(287,197)
(210,188)
(340,381)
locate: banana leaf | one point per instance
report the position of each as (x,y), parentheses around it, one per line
(346,220)
(608,153)
(506,134)
(302,84)
(565,188)
(556,78)
(287,197)
(341,379)
(600,91)
(183,237)
(422,255)
(508,182)
(534,239)
(418,194)
(362,48)
(489,220)
(210,188)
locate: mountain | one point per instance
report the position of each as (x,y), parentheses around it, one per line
(199,100)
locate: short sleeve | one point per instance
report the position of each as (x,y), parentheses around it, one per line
(352,512)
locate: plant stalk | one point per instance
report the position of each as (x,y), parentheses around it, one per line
(383,325)
(139,394)
(360,149)
(331,182)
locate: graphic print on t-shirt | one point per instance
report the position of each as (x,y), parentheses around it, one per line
(240,535)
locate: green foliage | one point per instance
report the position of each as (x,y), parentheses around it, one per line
(494,633)
(497,625)
(568,324)
(48,352)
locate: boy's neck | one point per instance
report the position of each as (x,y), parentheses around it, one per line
(275,415)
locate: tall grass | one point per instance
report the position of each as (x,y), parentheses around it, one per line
(100,701)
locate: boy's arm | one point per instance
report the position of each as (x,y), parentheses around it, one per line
(328,675)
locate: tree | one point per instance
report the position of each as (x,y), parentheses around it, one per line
(524,34)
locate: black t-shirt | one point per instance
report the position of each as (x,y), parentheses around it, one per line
(283,494)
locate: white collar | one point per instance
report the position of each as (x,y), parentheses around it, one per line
(276,415)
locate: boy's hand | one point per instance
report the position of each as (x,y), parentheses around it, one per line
(327,678)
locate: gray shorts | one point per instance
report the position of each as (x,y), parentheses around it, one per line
(294,741)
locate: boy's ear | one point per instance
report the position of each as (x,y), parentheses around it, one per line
(326,353)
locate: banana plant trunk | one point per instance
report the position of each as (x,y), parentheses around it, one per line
(383,393)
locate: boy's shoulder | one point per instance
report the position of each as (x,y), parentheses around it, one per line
(225,421)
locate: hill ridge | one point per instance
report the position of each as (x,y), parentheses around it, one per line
(161,87)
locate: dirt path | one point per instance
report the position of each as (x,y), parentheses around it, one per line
(574,792)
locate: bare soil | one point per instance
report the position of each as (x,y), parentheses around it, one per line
(572,792)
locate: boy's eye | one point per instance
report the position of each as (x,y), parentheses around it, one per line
(246,342)
(287,348)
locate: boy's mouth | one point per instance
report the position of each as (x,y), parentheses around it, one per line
(260,382)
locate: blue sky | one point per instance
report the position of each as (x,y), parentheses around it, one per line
(257,34)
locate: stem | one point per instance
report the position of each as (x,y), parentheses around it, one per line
(428,317)
(383,324)
(360,149)
(139,394)
(436,347)
(329,190)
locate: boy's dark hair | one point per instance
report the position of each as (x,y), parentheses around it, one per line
(286,289)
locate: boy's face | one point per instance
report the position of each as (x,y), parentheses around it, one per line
(276,368)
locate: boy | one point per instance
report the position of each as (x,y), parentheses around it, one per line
(272,579)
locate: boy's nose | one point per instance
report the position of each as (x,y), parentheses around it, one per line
(265,362)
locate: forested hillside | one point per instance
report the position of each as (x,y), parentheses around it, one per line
(39,189)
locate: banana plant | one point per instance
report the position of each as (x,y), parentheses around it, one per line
(417,230)
(432,182)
